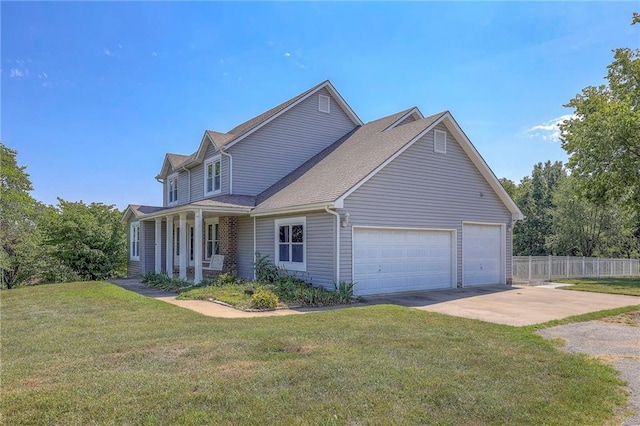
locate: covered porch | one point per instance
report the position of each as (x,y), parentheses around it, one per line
(194,241)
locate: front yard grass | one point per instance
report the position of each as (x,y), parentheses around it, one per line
(627,286)
(93,353)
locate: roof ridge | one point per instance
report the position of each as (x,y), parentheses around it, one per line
(244,127)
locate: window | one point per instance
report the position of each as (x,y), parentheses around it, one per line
(176,240)
(324,104)
(440,141)
(172,189)
(190,243)
(212,237)
(134,237)
(212,176)
(290,247)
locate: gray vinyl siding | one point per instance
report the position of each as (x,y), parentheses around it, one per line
(272,152)
(148,248)
(320,246)
(424,189)
(245,247)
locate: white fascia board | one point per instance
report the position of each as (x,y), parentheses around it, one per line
(293,209)
(341,199)
(327,84)
(482,166)
(413,111)
(202,149)
(192,208)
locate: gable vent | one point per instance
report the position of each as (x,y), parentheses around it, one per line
(324,104)
(440,141)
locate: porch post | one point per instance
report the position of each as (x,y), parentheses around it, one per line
(169,246)
(183,246)
(158,241)
(197,247)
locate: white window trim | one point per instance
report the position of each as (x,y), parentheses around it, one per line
(188,248)
(327,99)
(212,161)
(208,222)
(435,146)
(169,179)
(291,266)
(134,228)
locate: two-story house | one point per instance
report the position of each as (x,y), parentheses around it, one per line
(402,203)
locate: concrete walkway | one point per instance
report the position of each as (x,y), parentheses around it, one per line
(517,306)
(204,307)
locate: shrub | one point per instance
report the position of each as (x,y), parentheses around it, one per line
(266,271)
(162,281)
(264,299)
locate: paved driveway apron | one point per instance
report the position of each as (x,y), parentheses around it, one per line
(517,305)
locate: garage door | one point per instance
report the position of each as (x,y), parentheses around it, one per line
(481,254)
(396,260)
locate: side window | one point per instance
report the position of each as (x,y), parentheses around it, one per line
(134,241)
(290,243)
(212,176)
(172,189)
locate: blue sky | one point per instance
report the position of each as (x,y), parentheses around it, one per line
(95,93)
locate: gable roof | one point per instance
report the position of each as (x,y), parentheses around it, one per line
(348,164)
(243,130)
(367,148)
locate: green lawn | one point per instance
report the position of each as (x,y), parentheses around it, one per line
(628,286)
(93,353)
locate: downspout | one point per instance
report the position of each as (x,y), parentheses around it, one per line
(230,169)
(337,215)
(254,247)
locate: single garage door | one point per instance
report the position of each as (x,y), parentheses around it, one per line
(396,260)
(482,254)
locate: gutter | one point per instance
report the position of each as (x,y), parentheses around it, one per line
(230,169)
(337,215)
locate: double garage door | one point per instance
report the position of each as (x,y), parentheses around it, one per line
(398,260)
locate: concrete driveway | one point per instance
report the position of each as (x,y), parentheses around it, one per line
(517,305)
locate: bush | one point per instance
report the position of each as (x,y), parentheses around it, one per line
(162,281)
(264,299)
(266,271)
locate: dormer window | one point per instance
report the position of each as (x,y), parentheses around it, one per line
(172,189)
(212,176)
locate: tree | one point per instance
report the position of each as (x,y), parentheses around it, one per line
(509,186)
(603,137)
(582,227)
(20,241)
(88,239)
(535,198)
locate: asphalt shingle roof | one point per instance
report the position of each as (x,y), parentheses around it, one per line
(331,175)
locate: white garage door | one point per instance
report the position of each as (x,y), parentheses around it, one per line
(481,254)
(395,260)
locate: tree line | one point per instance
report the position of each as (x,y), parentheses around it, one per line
(39,243)
(587,207)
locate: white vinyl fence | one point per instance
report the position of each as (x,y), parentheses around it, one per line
(541,268)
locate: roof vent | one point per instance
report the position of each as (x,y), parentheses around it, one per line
(324,104)
(440,141)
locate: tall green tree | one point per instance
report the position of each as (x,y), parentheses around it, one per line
(603,137)
(535,198)
(20,240)
(87,238)
(582,227)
